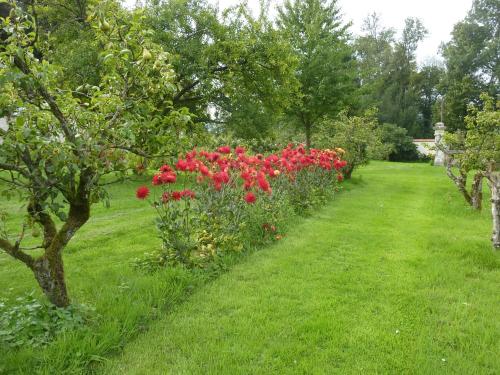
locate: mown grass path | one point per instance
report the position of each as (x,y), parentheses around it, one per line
(396,276)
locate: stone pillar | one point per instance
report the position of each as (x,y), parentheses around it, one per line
(438,139)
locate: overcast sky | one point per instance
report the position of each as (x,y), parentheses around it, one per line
(438,16)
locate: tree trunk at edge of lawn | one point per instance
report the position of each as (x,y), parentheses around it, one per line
(494,182)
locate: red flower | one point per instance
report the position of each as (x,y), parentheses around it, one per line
(224,149)
(204,170)
(188,194)
(250,198)
(181,165)
(340,178)
(157,180)
(176,195)
(165,197)
(239,150)
(263,183)
(191,155)
(142,192)
(165,168)
(168,177)
(221,177)
(248,185)
(213,156)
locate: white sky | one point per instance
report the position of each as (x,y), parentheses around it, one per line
(438,16)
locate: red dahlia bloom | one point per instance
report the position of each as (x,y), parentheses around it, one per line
(181,165)
(221,177)
(191,155)
(165,168)
(157,180)
(213,156)
(165,197)
(340,178)
(248,185)
(239,150)
(250,198)
(142,192)
(263,183)
(204,170)
(176,195)
(188,194)
(168,177)
(224,149)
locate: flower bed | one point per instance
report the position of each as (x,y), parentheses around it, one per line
(232,201)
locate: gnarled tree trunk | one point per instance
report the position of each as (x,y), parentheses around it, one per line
(49,273)
(477,191)
(48,268)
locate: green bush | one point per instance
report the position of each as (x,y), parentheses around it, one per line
(27,321)
(399,143)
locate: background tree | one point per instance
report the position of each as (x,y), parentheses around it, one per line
(400,100)
(235,71)
(390,80)
(359,136)
(374,50)
(326,70)
(472,61)
(63,144)
(427,82)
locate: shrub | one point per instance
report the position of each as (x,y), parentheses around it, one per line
(400,145)
(359,136)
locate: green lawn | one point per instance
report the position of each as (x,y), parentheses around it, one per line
(395,276)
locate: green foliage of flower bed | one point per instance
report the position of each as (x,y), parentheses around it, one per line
(235,202)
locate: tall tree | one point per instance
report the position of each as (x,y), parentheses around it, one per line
(472,61)
(235,71)
(400,100)
(374,49)
(326,70)
(427,82)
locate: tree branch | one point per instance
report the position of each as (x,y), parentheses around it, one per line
(42,91)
